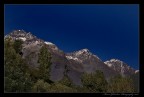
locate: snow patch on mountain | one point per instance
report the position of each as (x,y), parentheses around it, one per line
(114,60)
(48,43)
(136,71)
(73,58)
(108,64)
(22,38)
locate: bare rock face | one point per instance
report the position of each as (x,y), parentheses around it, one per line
(31,46)
(61,65)
(71,64)
(90,62)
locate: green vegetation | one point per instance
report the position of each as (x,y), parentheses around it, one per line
(94,82)
(119,84)
(41,86)
(19,77)
(18,45)
(44,59)
(66,81)
(60,88)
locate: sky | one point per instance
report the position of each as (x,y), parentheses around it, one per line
(107,30)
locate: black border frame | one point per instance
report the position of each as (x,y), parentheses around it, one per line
(141,23)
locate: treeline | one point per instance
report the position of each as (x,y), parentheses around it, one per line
(19,77)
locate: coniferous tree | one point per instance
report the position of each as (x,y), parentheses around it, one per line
(44,59)
(17,79)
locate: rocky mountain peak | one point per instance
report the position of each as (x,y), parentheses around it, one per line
(81,55)
(111,61)
(85,50)
(119,66)
(27,37)
(82,51)
(21,34)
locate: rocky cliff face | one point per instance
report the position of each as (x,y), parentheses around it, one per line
(90,62)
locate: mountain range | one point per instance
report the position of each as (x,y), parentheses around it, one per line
(72,64)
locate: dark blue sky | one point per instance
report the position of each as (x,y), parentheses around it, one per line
(109,31)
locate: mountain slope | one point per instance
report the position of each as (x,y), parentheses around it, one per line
(71,64)
(120,66)
(31,46)
(91,62)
